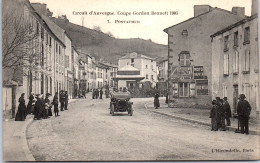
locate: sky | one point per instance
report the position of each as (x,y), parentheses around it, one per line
(149,26)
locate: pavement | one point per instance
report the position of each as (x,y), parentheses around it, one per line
(15,146)
(200,116)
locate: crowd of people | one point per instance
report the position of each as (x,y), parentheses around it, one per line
(41,107)
(220,114)
(98,93)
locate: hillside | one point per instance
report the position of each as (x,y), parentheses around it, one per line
(101,45)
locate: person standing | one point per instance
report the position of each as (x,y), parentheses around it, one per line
(47,106)
(39,106)
(29,106)
(227,110)
(166,98)
(97,93)
(66,100)
(213,116)
(62,100)
(21,112)
(220,114)
(83,93)
(156,101)
(106,92)
(101,93)
(93,93)
(243,111)
(55,103)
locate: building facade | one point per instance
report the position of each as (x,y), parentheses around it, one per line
(189,53)
(146,65)
(235,60)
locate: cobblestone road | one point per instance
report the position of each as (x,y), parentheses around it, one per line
(87,132)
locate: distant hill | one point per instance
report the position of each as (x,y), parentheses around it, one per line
(102,46)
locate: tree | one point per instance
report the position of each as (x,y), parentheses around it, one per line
(110,34)
(20,42)
(97,28)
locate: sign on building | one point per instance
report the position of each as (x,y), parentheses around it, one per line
(198,72)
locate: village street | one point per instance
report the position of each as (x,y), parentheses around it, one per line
(88,132)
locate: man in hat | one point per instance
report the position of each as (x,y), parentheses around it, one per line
(227,110)
(66,100)
(243,111)
(220,114)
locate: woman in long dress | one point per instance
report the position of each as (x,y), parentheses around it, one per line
(21,113)
(156,101)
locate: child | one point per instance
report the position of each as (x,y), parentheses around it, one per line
(213,116)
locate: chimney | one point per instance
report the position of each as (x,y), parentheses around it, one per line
(200,9)
(254,9)
(239,11)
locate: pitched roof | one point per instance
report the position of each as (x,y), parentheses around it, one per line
(135,55)
(59,32)
(44,23)
(235,25)
(210,10)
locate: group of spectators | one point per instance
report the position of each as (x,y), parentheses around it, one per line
(41,106)
(220,114)
(98,93)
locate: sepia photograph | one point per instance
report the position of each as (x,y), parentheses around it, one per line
(132,80)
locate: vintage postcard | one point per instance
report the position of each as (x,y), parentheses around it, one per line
(132,80)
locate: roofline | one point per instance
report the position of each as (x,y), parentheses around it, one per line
(28,4)
(235,25)
(212,9)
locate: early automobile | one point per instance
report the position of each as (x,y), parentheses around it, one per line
(120,102)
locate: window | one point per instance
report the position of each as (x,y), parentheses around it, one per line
(236,39)
(184,59)
(37,28)
(152,77)
(226,65)
(224,91)
(184,32)
(56,48)
(42,33)
(247,35)
(152,67)
(226,43)
(146,66)
(183,89)
(50,42)
(42,55)
(246,68)
(235,63)
(146,76)
(47,39)
(246,90)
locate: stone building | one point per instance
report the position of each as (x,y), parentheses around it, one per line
(163,69)
(129,77)
(235,60)
(43,70)
(189,53)
(146,65)
(75,59)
